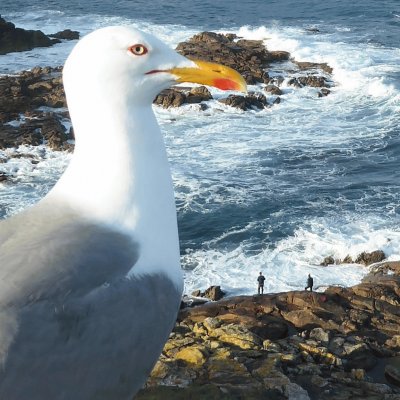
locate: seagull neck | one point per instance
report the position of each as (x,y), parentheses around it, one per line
(119,169)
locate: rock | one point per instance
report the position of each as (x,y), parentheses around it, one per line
(347,260)
(238,336)
(66,34)
(201,92)
(320,347)
(392,374)
(320,335)
(193,355)
(17,39)
(359,356)
(272,89)
(3,177)
(252,101)
(323,92)
(328,261)
(248,57)
(311,66)
(214,293)
(370,258)
(310,80)
(196,293)
(170,98)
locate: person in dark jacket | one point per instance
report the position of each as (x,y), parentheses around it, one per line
(310,283)
(260,280)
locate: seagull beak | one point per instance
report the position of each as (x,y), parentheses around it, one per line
(211,74)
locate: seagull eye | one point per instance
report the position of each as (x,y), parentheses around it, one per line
(138,50)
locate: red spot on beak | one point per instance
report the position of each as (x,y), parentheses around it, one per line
(226,84)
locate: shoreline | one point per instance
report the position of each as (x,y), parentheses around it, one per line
(342,343)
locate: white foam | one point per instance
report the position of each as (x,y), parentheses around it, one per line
(287,265)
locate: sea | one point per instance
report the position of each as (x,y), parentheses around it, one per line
(275,190)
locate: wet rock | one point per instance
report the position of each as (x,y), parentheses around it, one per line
(250,102)
(328,261)
(3,177)
(304,65)
(347,260)
(200,92)
(66,34)
(370,258)
(17,39)
(324,92)
(310,80)
(272,89)
(170,98)
(178,96)
(214,293)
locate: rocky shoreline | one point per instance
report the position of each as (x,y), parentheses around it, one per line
(33,108)
(342,343)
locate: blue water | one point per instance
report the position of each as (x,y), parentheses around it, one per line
(276,190)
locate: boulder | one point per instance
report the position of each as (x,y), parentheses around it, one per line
(328,261)
(170,98)
(195,355)
(320,335)
(273,89)
(304,65)
(17,39)
(366,258)
(309,80)
(3,177)
(250,102)
(214,293)
(66,34)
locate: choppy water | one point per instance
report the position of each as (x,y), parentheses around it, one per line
(275,190)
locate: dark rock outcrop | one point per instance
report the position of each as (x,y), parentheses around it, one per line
(370,258)
(249,57)
(250,102)
(66,34)
(17,39)
(20,98)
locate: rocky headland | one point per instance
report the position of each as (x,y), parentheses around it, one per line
(342,343)
(18,39)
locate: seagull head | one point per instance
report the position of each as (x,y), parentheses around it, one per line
(127,61)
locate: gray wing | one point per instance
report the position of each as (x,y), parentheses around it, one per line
(48,252)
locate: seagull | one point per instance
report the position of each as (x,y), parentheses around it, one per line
(90,276)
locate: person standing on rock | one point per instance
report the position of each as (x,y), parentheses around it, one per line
(260,280)
(310,283)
